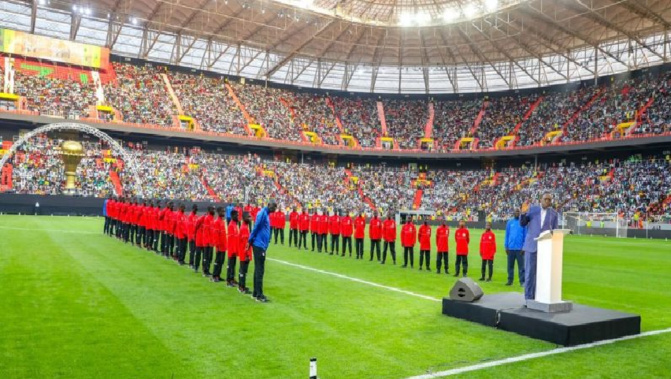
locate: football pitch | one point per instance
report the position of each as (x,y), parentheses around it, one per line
(75,303)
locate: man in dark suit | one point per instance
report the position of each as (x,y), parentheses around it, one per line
(536,219)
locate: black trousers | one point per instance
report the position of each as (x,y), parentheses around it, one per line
(374,244)
(106,227)
(197,256)
(131,233)
(425,255)
(218,264)
(118,230)
(462,259)
(315,237)
(230,269)
(242,274)
(170,245)
(192,251)
(322,242)
(126,231)
(392,250)
(181,250)
(279,232)
(443,257)
(207,259)
(293,236)
(408,252)
(157,235)
(303,240)
(163,242)
(346,243)
(487,263)
(259,270)
(358,246)
(515,256)
(150,238)
(140,237)
(335,243)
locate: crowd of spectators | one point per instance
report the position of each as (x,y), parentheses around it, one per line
(501,116)
(406,121)
(270,108)
(50,96)
(359,118)
(314,114)
(453,120)
(140,94)
(207,100)
(657,118)
(389,188)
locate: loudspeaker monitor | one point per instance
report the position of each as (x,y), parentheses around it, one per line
(465,289)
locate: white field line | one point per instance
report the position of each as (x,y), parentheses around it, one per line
(526,357)
(394,289)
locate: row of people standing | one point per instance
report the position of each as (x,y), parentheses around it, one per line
(210,238)
(341,227)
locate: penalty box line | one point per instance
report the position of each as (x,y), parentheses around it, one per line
(526,357)
(357,280)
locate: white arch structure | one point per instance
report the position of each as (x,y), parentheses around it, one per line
(127,158)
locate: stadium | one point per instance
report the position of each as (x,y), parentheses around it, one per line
(293,188)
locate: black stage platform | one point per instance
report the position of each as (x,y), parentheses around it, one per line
(583,324)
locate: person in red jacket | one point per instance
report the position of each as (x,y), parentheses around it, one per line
(280,224)
(408,240)
(203,230)
(359,233)
(233,247)
(375,235)
(389,236)
(157,226)
(442,236)
(244,254)
(191,232)
(314,228)
(141,225)
(462,237)
(149,225)
(323,231)
(220,243)
(424,237)
(487,251)
(346,229)
(334,229)
(304,226)
(180,234)
(293,226)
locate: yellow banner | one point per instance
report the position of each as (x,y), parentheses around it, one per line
(56,50)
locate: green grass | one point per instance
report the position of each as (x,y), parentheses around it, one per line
(76,304)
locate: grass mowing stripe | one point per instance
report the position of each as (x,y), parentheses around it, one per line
(50,230)
(355,280)
(541,354)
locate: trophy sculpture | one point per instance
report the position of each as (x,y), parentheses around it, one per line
(72,153)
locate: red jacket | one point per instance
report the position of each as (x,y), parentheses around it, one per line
(304,222)
(424,237)
(191,226)
(233,239)
(359,227)
(154,218)
(323,224)
(442,237)
(389,230)
(488,245)
(463,237)
(314,223)
(346,226)
(281,219)
(203,230)
(255,212)
(180,224)
(162,224)
(375,229)
(169,221)
(408,235)
(293,220)
(244,255)
(219,226)
(334,225)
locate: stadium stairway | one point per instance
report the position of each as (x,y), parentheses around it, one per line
(417,202)
(241,106)
(383,120)
(478,119)
(641,113)
(338,121)
(172,94)
(118,188)
(528,114)
(586,106)
(209,189)
(428,129)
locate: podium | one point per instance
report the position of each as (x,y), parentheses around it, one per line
(549,267)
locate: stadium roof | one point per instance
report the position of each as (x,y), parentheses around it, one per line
(406,46)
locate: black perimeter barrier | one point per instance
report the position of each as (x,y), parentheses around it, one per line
(61,205)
